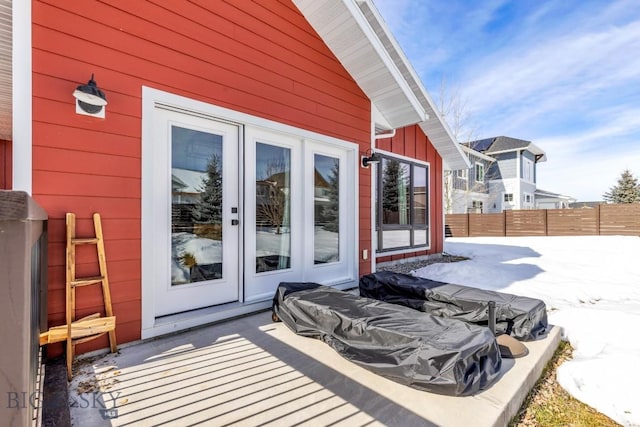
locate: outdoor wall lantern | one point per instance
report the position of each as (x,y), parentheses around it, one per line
(372,158)
(90,100)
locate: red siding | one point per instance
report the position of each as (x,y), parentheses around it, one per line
(412,142)
(5,165)
(259,57)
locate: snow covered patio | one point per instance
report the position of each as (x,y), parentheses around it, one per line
(251,371)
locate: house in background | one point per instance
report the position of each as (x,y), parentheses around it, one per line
(467,190)
(504,177)
(207,101)
(549,200)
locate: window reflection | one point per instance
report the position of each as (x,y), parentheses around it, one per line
(273,210)
(196,206)
(326,209)
(396,239)
(419,196)
(402,204)
(395,188)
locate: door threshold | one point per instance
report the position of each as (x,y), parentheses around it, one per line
(190,319)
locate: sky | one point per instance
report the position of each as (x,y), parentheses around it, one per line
(593,295)
(564,75)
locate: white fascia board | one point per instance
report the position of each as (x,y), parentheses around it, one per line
(452,155)
(477,153)
(22,178)
(538,152)
(356,33)
(434,126)
(531,147)
(348,34)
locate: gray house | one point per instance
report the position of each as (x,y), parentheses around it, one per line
(467,190)
(548,200)
(503,176)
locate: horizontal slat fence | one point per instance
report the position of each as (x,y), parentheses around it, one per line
(619,219)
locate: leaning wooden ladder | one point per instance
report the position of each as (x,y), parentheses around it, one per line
(92,326)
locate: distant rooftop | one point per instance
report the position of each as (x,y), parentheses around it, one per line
(502,144)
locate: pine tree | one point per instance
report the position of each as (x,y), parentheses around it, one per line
(208,208)
(392,174)
(331,212)
(626,191)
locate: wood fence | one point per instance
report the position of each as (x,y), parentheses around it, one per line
(606,220)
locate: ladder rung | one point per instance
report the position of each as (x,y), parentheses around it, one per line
(88,326)
(86,281)
(88,338)
(85,241)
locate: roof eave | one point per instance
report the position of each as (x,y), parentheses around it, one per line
(357,35)
(348,34)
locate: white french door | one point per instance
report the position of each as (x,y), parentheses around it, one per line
(234,204)
(273,212)
(299,222)
(330,223)
(198,243)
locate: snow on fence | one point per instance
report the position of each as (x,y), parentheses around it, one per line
(618,219)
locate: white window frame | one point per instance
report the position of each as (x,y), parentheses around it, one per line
(479,170)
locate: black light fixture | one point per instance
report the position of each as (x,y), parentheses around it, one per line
(372,158)
(90,99)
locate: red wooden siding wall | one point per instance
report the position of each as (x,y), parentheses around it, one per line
(258,57)
(412,142)
(5,165)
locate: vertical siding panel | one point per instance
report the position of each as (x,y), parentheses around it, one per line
(384,144)
(421,146)
(411,138)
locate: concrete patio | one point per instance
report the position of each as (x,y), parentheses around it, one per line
(251,371)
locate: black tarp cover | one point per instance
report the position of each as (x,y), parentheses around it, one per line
(521,317)
(413,348)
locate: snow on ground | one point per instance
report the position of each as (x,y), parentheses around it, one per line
(591,286)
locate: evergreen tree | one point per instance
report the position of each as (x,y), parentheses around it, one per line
(626,191)
(208,208)
(392,174)
(331,212)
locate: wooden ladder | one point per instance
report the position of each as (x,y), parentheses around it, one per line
(77,331)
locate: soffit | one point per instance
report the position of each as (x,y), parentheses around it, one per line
(346,32)
(357,35)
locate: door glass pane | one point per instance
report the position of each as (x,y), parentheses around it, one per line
(326,192)
(395,192)
(196,206)
(420,195)
(273,208)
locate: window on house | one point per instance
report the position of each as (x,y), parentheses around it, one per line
(527,169)
(477,206)
(479,168)
(508,197)
(402,201)
(462,173)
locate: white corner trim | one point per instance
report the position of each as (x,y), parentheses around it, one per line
(22,163)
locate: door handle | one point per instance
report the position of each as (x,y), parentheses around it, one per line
(235,221)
